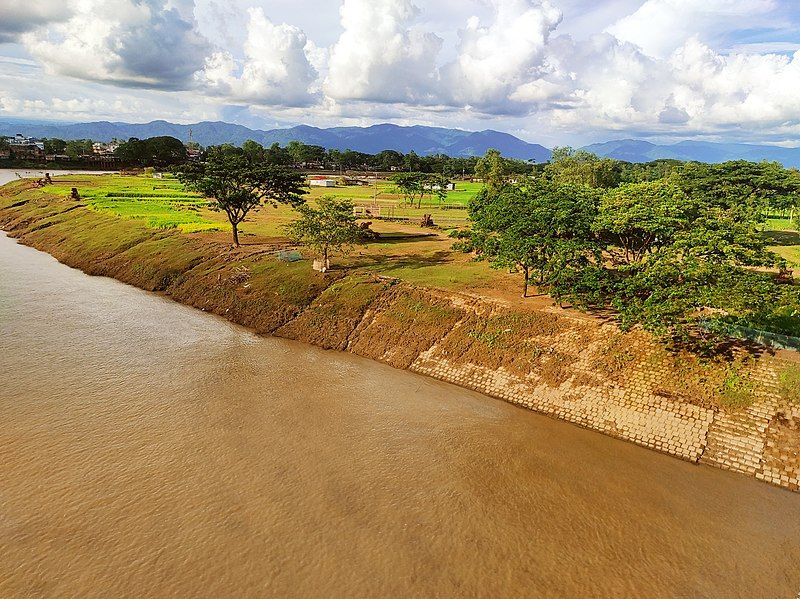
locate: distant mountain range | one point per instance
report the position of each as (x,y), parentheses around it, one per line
(422,140)
(634,150)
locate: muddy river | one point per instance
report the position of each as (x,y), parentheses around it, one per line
(151,450)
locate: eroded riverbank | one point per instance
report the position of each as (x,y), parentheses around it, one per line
(553,361)
(150,449)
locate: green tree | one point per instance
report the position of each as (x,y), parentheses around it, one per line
(296,151)
(388,160)
(78,147)
(277,155)
(331,226)
(237,187)
(688,259)
(154,151)
(435,185)
(254,151)
(636,218)
(540,228)
(580,167)
(493,169)
(54,146)
(163,151)
(411,186)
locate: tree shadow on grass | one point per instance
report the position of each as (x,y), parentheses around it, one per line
(782,237)
(412,261)
(397,238)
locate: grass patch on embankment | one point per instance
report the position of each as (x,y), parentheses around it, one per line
(332,318)
(406,321)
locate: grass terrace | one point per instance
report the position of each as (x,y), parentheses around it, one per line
(161,203)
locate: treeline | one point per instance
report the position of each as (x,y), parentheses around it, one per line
(155,151)
(299,155)
(676,248)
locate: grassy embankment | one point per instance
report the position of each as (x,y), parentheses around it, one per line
(152,234)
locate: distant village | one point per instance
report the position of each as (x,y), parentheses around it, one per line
(21,148)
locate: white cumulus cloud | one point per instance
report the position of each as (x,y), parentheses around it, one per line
(380,56)
(276,68)
(500,63)
(139,43)
(660,27)
(17,17)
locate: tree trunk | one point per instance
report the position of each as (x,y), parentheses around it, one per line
(525,286)
(235,229)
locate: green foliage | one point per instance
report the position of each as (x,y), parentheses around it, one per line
(54,146)
(637,218)
(789,385)
(737,391)
(540,228)
(648,171)
(414,186)
(741,186)
(492,168)
(78,147)
(330,226)
(254,151)
(672,254)
(155,151)
(579,167)
(235,186)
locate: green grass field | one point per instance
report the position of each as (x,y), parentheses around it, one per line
(161,203)
(164,203)
(404,250)
(785,239)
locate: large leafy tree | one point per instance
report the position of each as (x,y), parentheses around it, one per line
(580,167)
(494,171)
(237,187)
(541,229)
(692,251)
(154,151)
(636,219)
(740,186)
(78,147)
(411,186)
(330,226)
(53,146)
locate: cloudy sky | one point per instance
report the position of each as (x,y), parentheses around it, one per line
(551,71)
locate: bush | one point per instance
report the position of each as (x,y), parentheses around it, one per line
(789,385)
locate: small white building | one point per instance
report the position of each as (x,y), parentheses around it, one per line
(314,182)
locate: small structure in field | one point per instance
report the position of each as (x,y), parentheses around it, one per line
(321,182)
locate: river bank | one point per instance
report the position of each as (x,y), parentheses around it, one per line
(729,413)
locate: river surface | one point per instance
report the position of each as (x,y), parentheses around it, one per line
(151,450)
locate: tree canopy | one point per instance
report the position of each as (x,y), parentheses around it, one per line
(236,187)
(671,253)
(539,228)
(154,151)
(330,226)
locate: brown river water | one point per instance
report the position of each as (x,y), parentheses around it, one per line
(151,450)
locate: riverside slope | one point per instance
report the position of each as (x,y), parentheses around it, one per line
(553,361)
